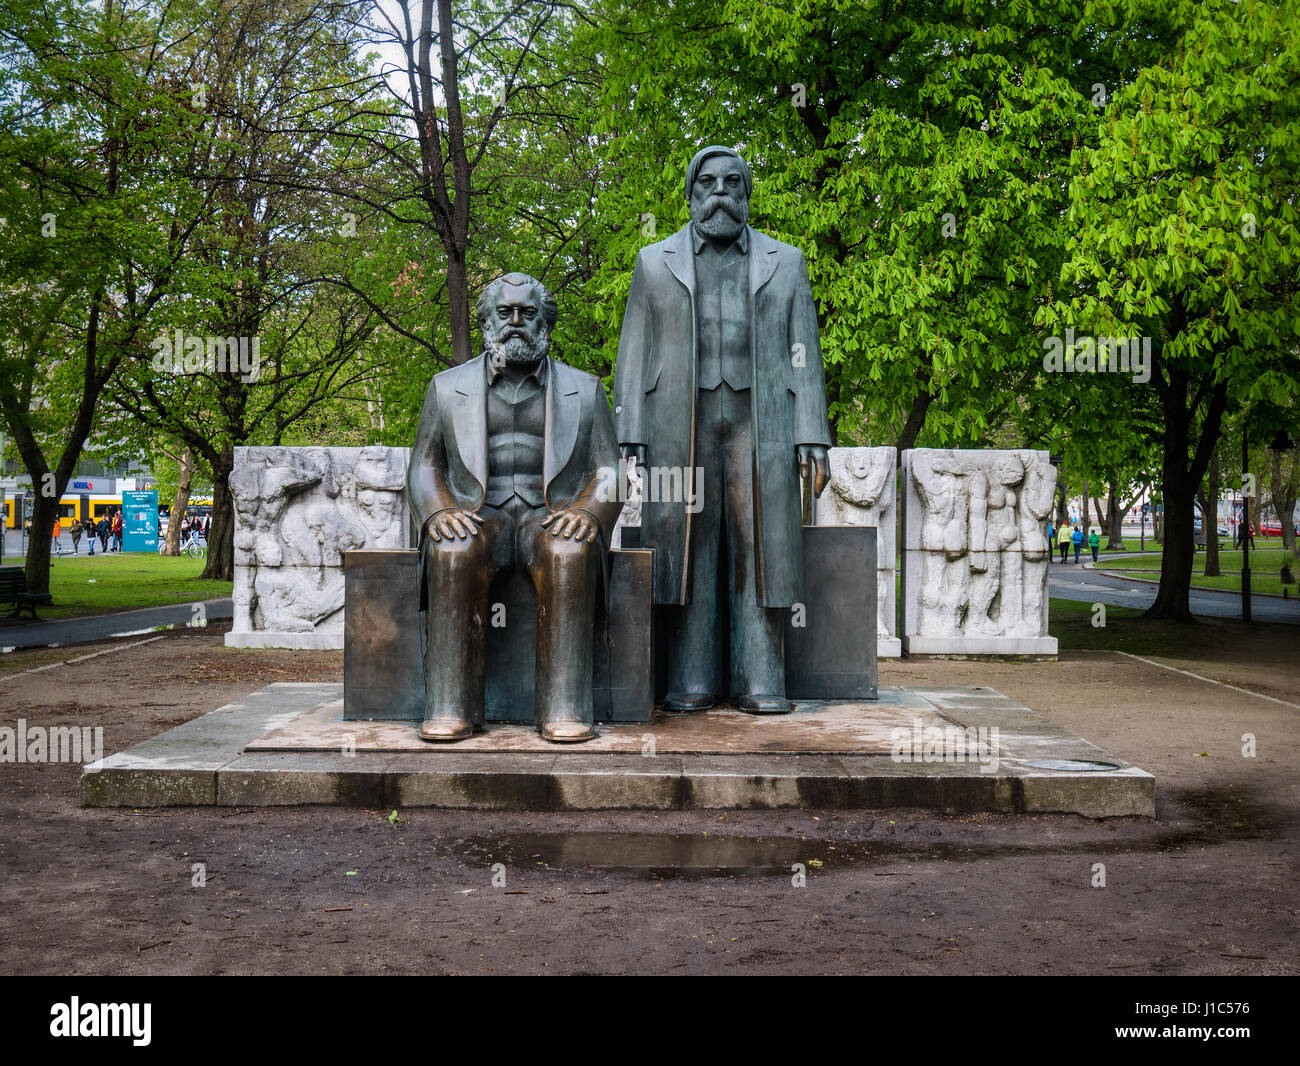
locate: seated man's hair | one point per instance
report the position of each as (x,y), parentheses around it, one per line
(488,300)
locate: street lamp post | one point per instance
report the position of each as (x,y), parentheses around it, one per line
(1244,526)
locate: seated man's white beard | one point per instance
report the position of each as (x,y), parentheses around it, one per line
(518,351)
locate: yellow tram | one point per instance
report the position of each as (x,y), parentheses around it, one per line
(81,506)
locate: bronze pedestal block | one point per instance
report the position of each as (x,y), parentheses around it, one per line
(383,673)
(830,639)
(833,654)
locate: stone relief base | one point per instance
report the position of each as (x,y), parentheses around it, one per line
(980,647)
(886,647)
(287,744)
(296,641)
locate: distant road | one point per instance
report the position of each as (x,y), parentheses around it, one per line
(1072,582)
(62,631)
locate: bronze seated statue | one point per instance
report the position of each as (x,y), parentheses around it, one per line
(511,469)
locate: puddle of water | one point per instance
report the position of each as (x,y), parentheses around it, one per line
(655,855)
(1221,815)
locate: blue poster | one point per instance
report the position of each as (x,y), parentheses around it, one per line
(140,521)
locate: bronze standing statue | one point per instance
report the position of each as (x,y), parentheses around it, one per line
(719,369)
(511,454)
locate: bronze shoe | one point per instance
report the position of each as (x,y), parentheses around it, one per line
(446,729)
(567,732)
(686,702)
(763,704)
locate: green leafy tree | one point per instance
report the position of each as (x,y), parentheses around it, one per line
(254,341)
(97,226)
(1183,219)
(918,154)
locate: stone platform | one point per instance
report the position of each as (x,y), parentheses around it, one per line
(288,744)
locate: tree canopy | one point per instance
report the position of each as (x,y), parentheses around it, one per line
(987,194)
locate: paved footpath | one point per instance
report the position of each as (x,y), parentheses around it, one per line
(100,626)
(1074,581)
(1067,582)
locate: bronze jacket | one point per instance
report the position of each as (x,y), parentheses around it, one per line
(449,462)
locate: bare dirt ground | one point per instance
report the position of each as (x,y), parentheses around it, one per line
(1209,887)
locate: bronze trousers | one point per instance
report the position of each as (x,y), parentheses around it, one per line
(722,536)
(459,574)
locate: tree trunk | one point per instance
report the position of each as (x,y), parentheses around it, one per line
(47,492)
(458,304)
(915,420)
(1180,476)
(1210,517)
(221,535)
(1114,521)
(1285,495)
(180,502)
(1083,511)
(1255,507)
(44,508)
(1173,599)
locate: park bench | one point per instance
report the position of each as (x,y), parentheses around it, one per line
(13,589)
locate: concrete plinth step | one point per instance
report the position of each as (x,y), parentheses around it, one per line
(951,749)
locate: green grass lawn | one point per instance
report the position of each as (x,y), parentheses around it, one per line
(1071,624)
(123,582)
(1265,569)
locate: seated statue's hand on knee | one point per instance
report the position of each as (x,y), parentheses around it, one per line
(449,525)
(574,525)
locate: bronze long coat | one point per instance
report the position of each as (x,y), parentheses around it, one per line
(654,402)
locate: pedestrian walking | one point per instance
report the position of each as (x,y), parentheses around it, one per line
(1063,542)
(117,532)
(89,527)
(75,532)
(1094,542)
(105,527)
(1076,538)
(58,532)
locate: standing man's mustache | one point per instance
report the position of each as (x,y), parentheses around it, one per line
(726,205)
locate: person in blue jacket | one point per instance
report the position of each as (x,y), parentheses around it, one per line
(1076,538)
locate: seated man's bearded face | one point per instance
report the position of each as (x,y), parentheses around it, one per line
(515,332)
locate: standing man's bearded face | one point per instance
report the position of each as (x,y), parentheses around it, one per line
(719,203)
(515,332)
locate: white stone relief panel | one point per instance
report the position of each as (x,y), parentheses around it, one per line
(862,492)
(297,510)
(976,555)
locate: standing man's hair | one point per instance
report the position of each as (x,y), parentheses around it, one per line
(693,170)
